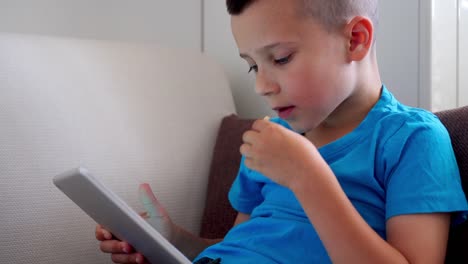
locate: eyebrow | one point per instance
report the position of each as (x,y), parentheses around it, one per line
(264,48)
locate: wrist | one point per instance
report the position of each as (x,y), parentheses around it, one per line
(312,177)
(176,235)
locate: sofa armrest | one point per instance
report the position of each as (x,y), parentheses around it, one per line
(128,112)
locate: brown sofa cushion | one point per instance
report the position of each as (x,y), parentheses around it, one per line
(219,216)
(456,122)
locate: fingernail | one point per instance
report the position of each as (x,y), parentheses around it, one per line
(106,235)
(125,249)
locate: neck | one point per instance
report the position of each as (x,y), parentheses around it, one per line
(346,117)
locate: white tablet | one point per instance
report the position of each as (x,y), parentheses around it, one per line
(107,209)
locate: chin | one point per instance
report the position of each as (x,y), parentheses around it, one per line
(296,126)
(301,127)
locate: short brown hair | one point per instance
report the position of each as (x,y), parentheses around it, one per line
(331,13)
(236,7)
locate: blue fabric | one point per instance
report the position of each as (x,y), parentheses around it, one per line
(399,160)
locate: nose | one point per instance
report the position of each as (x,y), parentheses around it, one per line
(264,85)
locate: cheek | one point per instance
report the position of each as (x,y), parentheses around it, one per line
(310,87)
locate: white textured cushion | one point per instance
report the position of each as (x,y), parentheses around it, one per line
(128,112)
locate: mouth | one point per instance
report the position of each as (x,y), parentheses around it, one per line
(284,112)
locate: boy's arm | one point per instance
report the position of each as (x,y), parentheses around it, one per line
(192,245)
(241,217)
(422,238)
(189,244)
(349,239)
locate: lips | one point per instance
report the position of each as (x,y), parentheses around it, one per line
(284,112)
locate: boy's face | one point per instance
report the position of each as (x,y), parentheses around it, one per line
(302,72)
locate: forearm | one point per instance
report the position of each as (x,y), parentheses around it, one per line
(344,233)
(192,245)
(189,244)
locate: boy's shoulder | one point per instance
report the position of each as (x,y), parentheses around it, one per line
(390,116)
(398,123)
(402,115)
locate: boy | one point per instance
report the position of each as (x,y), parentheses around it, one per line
(346,174)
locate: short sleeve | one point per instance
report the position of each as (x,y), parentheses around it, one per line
(245,193)
(421,172)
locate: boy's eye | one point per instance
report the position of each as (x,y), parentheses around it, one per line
(253,68)
(283,61)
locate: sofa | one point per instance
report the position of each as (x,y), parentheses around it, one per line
(130,113)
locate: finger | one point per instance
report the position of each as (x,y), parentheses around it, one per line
(150,202)
(98,233)
(249,136)
(144,215)
(246,150)
(127,258)
(250,163)
(260,124)
(140,259)
(102,234)
(115,247)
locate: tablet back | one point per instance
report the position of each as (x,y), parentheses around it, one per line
(106,208)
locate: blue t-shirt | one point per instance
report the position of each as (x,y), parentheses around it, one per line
(399,160)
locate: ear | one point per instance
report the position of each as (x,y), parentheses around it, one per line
(360,34)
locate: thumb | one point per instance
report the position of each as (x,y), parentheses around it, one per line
(150,203)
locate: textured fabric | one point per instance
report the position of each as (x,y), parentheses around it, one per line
(128,112)
(379,186)
(219,216)
(456,121)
